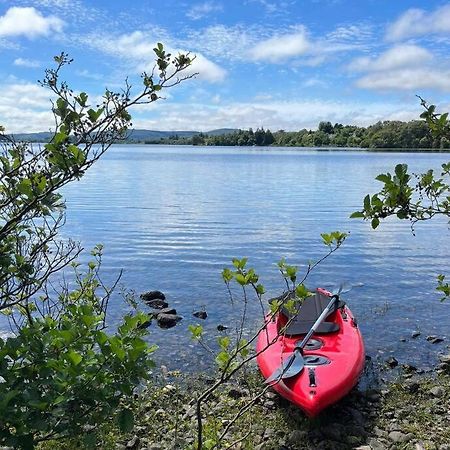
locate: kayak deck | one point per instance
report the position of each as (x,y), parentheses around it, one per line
(333,361)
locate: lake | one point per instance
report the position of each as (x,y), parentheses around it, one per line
(173,217)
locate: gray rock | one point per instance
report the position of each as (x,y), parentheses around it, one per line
(133,443)
(167,311)
(353,440)
(412,385)
(415,334)
(399,437)
(375,444)
(200,314)
(392,362)
(379,432)
(437,391)
(152,295)
(236,393)
(168,320)
(157,303)
(409,368)
(434,339)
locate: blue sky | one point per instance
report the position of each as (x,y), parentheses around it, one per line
(280,64)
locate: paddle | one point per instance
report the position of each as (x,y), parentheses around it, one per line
(295,363)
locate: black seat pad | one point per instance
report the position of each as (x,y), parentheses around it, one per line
(308,313)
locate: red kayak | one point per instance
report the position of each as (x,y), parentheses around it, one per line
(333,357)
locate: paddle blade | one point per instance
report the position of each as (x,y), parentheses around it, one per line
(296,367)
(342,288)
(290,367)
(276,375)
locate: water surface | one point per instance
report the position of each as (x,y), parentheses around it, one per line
(173,217)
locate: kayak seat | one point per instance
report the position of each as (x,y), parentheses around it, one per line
(308,313)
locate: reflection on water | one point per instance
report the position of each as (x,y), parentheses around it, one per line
(173,217)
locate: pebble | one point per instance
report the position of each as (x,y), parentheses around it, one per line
(376,445)
(200,314)
(379,432)
(133,442)
(392,362)
(437,391)
(152,295)
(415,334)
(399,437)
(412,385)
(434,339)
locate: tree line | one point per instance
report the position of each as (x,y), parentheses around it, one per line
(384,134)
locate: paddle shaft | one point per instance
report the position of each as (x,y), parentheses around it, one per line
(317,323)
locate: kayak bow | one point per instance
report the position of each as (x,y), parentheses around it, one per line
(333,356)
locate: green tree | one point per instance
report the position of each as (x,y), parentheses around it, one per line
(60,370)
(414,197)
(326,127)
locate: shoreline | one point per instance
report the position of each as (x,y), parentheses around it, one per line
(411,411)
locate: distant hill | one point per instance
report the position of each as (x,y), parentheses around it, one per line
(134,135)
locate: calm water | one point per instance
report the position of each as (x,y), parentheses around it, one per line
(173,217)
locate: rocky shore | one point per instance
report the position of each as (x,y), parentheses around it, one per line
(412,412)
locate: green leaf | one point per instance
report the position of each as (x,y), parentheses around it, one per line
(357,215)
(74,357)
(196,331)
(125,420)
(224,342)
(222,359)
(302,292)
(117,347)
(82,99)
(400,170)
(227,275)
(260,290)
(375,222)
(384,178)
(367,202)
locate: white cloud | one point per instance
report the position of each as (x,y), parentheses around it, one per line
(402,68)
(23,62)
(408,79)
(25,107)
(417,22)
(222,42)
(206,69)
(281,47)
(202,10)
(315,82)
(396,57)
(137,47)
(28,22)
